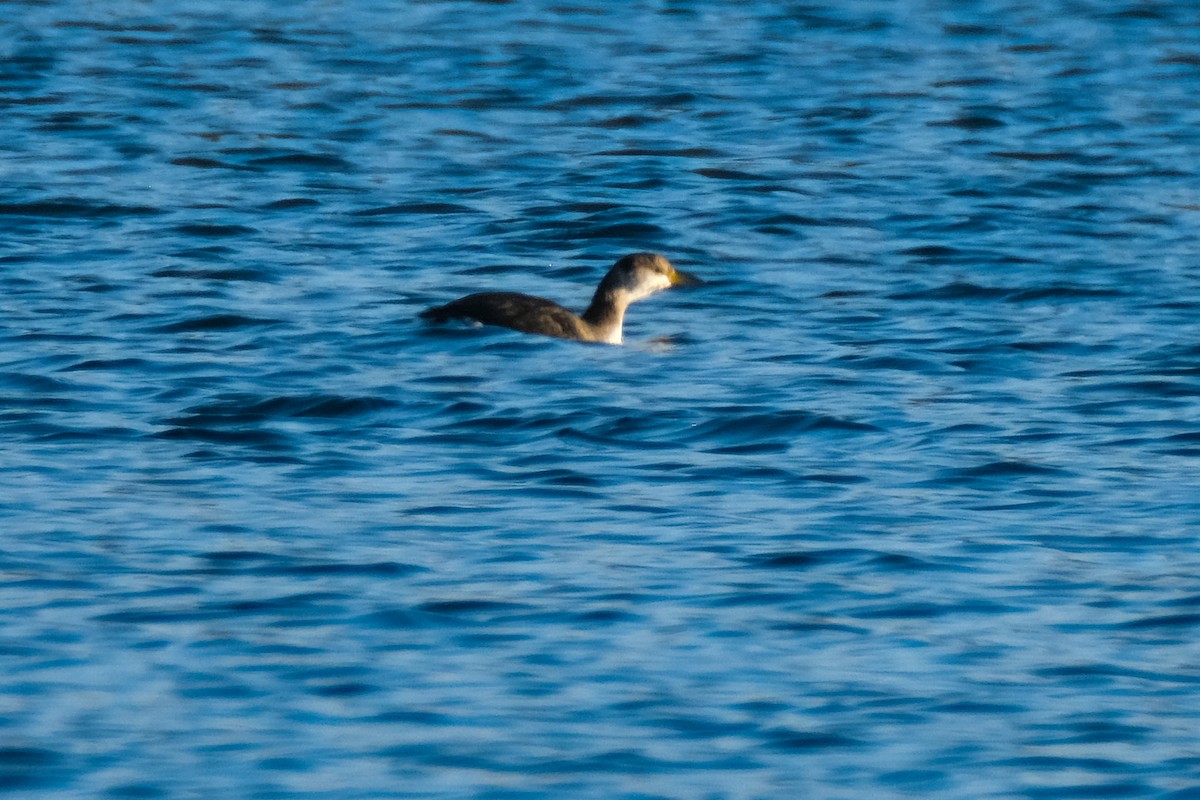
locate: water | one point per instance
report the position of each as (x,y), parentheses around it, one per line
(903,503)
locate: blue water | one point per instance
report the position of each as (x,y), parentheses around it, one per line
(902,503)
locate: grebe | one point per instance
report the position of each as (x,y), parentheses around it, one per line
(632,278)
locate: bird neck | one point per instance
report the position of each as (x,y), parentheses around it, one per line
(606,313)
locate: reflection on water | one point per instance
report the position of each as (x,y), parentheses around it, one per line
(902,502)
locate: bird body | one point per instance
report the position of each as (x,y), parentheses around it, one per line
(632,278)
(521,312)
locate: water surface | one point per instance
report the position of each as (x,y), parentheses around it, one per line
(902,503)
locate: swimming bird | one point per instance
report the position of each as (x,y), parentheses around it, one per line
(634,277)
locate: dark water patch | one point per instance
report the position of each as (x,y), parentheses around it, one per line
(801,220)
(820,626)
(413,716)
(36,384)
(316,162)
(1090,732)
(1062,347)
(1191,445)
(106,433)
(902,363)
(14,281)
(345,689)
(291,203)
(415,208)
(625,762)
(624,121)
(803,559)
(1083,791)
(470,608)
(468,134)
(75,208)
(1031,505)
(930,610)
(556,492)
(838,113)
(17,102)
(641,185)
(492,422)
(28,62)
(835,479)
(914,781)
(46,584)
(72,338)
(234,562)
(157,616)
(27,768)
(607,616)
(577,207)
(208,163)
(1037,157)
(1148,12)
(1138,394)
(971,122)
(977,707)
(955,291)
(999,470)
(302,604)
(327,406)
(396,619)
(137,791)
(750,449)
(751,597)
(604,762)
(214,253)
(661,468)
(1186,621)
(696,727)
(593,101)
(94,283)
(743,471)
(1189,793)
(792,740)
(685,152)
(215,323)
(83,123)
(559,477)
(626,231)
(616,441)
(964,82)
(266,440)
(729,174)
(245,408)
(1063,763)
(1163,389)
(1104,672)
(932,252)
(971,30)
(208,87)
(738,424)
(232,559)
(238,274)
(907,563)
(1186,59)
(212,687)
(494,269)
(213,231)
